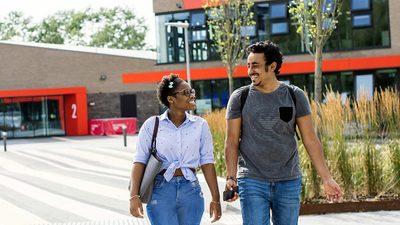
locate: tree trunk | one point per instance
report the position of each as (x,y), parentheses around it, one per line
(318,54)
(318,74)
(230,78)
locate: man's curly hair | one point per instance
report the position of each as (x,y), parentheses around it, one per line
(271,53)
(167,87)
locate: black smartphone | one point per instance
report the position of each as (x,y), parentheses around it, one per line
(228,194)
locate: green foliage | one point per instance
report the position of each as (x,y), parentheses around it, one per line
(315,20)
(15,26)
(115,28)
(227,20)
(121,29)
(51,29)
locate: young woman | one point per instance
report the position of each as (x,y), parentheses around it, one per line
(184,142)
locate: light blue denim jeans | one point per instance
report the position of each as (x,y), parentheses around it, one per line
(177,202)
(259,197)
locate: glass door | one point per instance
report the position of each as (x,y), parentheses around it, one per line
(32,116)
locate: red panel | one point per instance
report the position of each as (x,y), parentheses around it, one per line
(192,4)
(329,65)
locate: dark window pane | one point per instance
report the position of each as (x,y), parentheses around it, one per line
(220,93)
(278,11)
(347,83)
(330,82)
(385,78)
(360,5)
(362,38)
(262,20)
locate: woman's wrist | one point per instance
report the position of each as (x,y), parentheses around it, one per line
(133,197)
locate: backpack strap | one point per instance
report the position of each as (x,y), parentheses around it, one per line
(291,92)
(243,96)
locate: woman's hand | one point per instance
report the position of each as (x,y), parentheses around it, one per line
(215,211)
(136,206)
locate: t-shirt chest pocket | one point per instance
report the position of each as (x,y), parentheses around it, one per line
(283,125)
(286,113)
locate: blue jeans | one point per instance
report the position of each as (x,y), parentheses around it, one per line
(177,202)
(259,197)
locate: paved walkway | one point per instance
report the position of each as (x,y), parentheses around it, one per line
(83,181)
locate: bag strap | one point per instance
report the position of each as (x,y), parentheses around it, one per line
(153,149)
(291,92)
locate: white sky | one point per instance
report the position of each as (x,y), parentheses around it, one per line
(39,9)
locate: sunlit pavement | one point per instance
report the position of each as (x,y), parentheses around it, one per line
(83,181)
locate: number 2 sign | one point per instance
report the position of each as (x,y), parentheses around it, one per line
(73,107)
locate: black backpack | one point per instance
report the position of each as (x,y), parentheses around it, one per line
(245,92)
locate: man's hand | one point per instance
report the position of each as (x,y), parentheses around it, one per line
(230,184)
(332,191)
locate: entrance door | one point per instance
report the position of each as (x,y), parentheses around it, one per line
(32,116)
(128,105)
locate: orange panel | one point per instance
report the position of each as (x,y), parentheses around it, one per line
(329,65)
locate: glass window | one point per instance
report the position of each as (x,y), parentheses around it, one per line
(199,35)
(197,19)
(249,31)
(279,28)
(347,83)
(300,81)
(364,86)
(363,20)
(163,41)
(262,21)
(220,93)
(199,51)
(360,5)
(278,11)
(330,82)
(385,78)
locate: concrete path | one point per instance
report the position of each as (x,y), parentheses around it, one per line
(83,181)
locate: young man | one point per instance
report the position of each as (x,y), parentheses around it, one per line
(261,149)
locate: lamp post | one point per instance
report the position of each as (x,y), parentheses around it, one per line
(185,26)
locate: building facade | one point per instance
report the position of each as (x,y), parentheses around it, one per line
(48,90)
(362,54)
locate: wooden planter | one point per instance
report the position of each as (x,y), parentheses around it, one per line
(362,206)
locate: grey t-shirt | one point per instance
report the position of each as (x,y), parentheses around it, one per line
(268,147)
